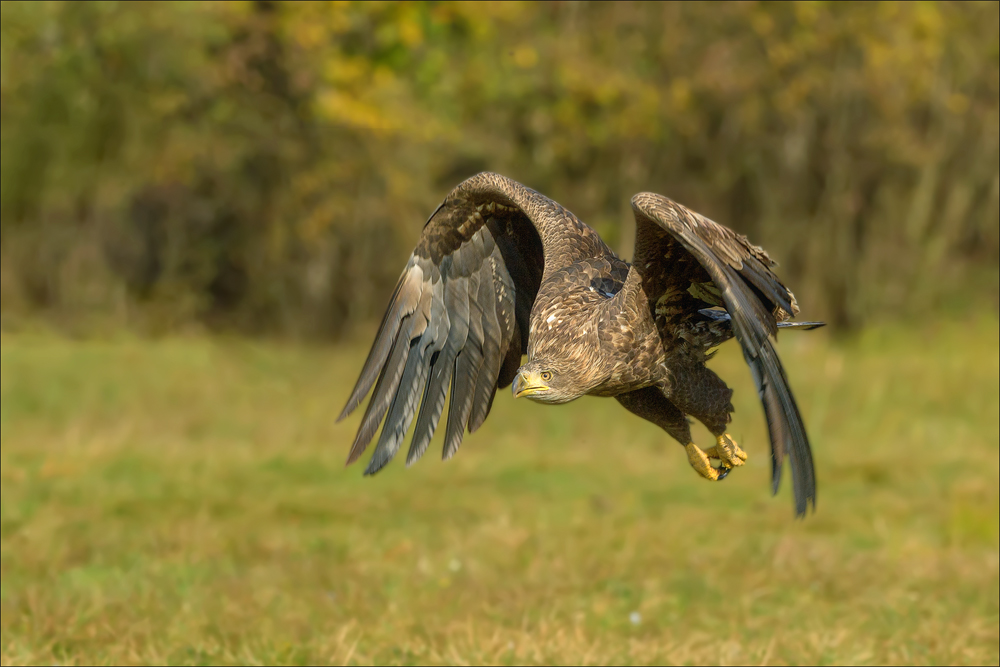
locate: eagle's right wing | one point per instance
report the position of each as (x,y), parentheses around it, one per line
(459,314)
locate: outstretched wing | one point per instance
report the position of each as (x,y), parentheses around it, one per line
(459,315)
(668,236)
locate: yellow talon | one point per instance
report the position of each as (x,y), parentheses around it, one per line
(699,461)
(727,451)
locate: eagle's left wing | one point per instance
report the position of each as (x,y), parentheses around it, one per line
(668,236)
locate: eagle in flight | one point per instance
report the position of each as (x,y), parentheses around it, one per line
(501,271)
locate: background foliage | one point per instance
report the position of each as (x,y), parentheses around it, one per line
(266,166)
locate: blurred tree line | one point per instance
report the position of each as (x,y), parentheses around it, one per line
(266,167)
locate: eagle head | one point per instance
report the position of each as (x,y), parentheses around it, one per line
(549,381)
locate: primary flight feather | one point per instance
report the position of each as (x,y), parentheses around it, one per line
(501,271)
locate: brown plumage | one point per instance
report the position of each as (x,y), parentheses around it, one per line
(501,271)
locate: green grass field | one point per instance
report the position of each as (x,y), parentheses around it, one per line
(185,501)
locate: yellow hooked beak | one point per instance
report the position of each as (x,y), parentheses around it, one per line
(527,383)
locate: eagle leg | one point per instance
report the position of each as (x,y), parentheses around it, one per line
(699,461)
(651,404)
(727,451)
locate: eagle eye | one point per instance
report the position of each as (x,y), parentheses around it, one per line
(546,376)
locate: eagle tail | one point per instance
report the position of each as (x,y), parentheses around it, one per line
(720,315)
(805,326)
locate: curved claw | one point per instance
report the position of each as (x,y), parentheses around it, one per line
(699,461)
(727,451)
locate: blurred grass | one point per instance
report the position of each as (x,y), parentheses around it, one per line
(185,501)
